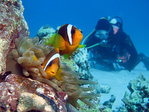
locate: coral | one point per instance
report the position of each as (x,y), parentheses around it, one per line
(82,64)
(24,53)
(24,57)
(137,100)
(78,62)
(107,110)
(103,88)
(109,103)
(69,62)
(9,95)
(85,108)
(15,85)
(45,32)
(12,25)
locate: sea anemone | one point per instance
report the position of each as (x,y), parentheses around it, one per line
(71,84)
(30,54)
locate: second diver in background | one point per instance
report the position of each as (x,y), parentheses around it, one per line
(112,48)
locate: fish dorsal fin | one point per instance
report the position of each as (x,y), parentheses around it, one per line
(69,28)
(57,55)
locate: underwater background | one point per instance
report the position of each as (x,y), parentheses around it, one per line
(85,13)
(26,85)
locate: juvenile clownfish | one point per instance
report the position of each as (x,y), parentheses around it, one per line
(67,39)
(51,65)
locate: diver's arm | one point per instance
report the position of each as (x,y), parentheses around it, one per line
(130,46)
(133,55)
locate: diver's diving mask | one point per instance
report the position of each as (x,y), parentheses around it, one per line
(102,34)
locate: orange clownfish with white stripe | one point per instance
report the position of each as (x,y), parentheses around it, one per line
(67,39)
(51,65)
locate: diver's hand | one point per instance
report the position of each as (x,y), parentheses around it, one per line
(123,59)
(103,42)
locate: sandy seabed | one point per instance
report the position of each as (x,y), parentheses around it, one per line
(118,81)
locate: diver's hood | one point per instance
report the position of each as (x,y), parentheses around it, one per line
(103,24)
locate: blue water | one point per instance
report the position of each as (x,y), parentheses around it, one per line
(85,13)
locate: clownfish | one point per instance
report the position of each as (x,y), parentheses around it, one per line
(51,65)
(67,39)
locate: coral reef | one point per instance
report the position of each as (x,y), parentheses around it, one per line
(109,103)
(103,88)
(15,85)
(9,95)
(69,62)
(85,108)
(12,26)
(78,62)
(22,56)
(138,99)
(24,53)
(82,64)
(45,32)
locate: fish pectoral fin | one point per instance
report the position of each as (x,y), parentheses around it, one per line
(59,75)
(59,42)
(35,58)
(81,46)
(66,56)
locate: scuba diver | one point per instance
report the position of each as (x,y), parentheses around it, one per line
(111,47)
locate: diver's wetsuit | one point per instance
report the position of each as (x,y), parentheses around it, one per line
(117,50)
(123,45)
(117,45)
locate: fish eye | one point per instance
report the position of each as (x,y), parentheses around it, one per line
(50,64)
(72,31)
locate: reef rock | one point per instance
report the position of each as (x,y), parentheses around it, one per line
(109,103)
(29,101)
(12,26)
(45,32)
(31,94)
(138,98)
(103,88)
